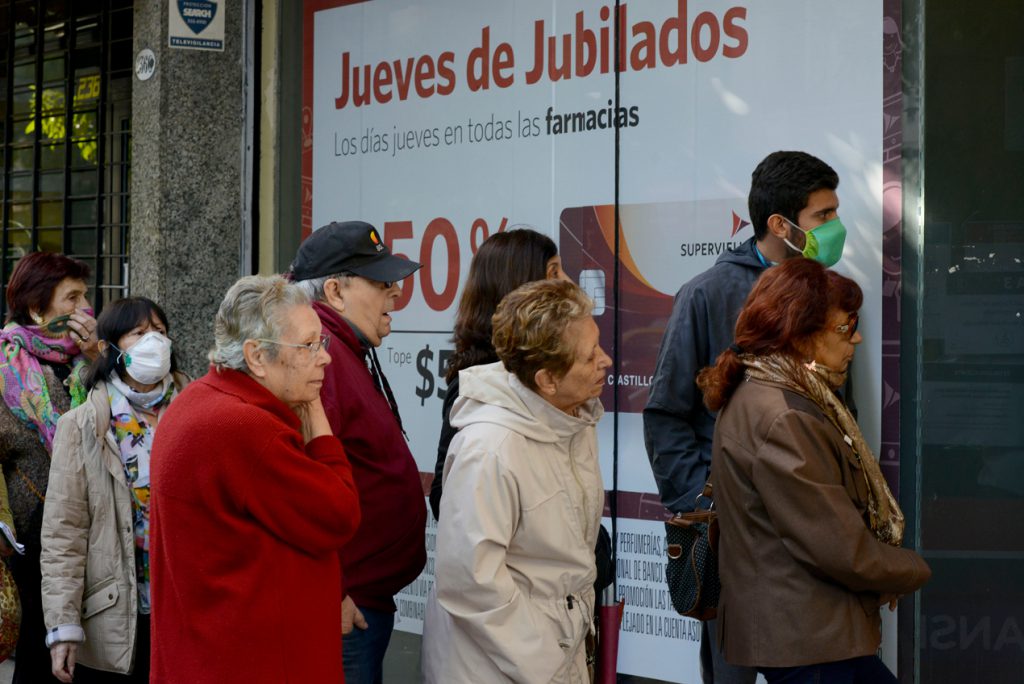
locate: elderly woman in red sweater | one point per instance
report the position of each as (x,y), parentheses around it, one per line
(252,499)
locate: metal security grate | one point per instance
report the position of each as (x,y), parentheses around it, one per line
(65,125)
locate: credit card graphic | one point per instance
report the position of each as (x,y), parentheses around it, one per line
(660,247)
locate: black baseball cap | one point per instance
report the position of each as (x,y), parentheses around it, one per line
(349,247)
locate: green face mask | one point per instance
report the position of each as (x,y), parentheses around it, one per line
(824,244)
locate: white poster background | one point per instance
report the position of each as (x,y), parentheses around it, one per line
(810,79)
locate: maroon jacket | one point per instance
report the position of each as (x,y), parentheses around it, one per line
(388,550)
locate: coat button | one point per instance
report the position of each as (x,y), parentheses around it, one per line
(110,597)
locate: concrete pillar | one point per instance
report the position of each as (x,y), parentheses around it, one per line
(190,200)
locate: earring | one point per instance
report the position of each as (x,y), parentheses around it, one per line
(36,318)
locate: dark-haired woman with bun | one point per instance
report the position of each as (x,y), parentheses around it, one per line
(95,535)
(504,262)
(810,533)
(45,348)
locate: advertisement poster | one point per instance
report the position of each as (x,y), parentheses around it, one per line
(444,122)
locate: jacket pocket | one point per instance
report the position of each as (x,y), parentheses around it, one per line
(100,597)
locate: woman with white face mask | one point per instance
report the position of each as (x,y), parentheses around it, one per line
(95,536)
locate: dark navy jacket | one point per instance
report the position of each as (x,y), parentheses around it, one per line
(677,427)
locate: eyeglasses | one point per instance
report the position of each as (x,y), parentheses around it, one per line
(850,327)
(312,347)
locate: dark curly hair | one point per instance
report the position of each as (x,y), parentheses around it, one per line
(781,184)
(503,262)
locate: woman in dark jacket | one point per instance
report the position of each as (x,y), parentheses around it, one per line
(504,262)
(810,533)
(45,346)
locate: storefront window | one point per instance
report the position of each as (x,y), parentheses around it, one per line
(65,107)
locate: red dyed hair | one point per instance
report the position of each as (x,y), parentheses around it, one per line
(33,281)
(789,304)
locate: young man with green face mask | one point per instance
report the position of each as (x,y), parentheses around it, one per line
(793,208)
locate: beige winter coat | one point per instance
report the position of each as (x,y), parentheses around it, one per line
(514,569)
(89,587)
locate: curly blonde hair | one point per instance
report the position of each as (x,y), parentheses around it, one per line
(529,328)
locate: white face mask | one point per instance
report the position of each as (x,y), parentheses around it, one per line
(148,361)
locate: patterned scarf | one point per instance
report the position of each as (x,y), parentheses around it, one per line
(22,383)
(818,383)
(134,437)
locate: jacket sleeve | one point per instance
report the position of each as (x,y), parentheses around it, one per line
(797,473)
(65,533)
(479,514)
(305,496)
(443,442)
(680,465)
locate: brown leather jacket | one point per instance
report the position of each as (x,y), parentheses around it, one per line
(802,574)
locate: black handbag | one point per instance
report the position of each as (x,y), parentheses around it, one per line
(692,568)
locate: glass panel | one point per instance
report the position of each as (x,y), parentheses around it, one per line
(51,156)
(24,74)
(21,187)
(83,212)
(88,7)
(84,153)
(971,393)
(83,241)
(53,99)
(51,185)
(50,213)
(84,182)
(24,101)
(22,158)
(87,87)
(55,38)
(84,124)
(55,12)
(21,215)
(53,69)
(25,16)
(121,56)
(19,243)
(52,127)
(87,33)
(121,24)
(50,240)
(23,131)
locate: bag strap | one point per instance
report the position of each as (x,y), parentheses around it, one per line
(705,494)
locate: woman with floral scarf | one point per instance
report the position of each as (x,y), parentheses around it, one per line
(45,345)
(810,533)
(95,585)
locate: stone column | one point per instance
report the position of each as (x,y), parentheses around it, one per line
(189,195)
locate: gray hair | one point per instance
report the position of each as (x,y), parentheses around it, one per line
(314,287)
(253,308)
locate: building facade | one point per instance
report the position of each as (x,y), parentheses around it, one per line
(175,151)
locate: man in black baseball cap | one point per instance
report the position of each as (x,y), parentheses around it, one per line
(353,279)
(349,247)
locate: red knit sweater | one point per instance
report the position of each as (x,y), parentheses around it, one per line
(246,527)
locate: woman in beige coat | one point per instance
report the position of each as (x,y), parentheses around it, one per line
(95,536)
(513,595)
(810,533)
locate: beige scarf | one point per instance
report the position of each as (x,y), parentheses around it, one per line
(817,383)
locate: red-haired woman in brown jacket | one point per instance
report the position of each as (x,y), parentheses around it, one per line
(811,535)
